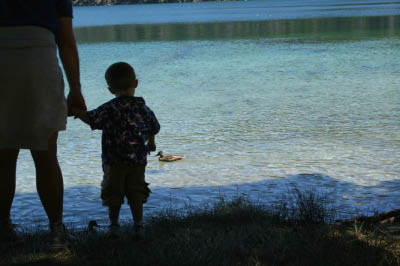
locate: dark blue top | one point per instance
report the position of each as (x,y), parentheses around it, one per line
(44,13)
(126,122)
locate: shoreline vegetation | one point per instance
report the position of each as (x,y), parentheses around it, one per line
(299,230)
(131,2)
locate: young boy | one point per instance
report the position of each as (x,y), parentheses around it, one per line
(128,127)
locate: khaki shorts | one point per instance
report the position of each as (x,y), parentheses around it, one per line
(122,180)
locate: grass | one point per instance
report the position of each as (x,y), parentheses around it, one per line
(298,231)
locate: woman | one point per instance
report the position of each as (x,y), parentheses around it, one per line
(33,107)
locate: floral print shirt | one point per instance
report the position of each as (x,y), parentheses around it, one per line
(126,122)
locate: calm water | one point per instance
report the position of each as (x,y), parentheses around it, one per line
(260,97)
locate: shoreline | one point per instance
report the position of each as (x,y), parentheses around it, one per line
(134,2)
(235,232)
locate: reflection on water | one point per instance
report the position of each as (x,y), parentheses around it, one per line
(324,29)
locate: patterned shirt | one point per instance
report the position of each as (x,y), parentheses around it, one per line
(126,122)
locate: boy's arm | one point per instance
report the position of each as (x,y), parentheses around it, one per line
(154,129)
(81,114)
(154,124)
(151,144)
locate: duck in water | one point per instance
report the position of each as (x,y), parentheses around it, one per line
(168,158)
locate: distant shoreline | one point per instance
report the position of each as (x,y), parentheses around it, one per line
(131,2)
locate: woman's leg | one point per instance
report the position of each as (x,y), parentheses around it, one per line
(8,166)
(49,180)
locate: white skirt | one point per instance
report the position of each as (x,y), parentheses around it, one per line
(32,100)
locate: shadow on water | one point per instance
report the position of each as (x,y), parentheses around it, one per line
(324,29)
(301,246)
(82,203)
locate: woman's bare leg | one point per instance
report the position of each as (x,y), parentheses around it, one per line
(8,166)
(49,180)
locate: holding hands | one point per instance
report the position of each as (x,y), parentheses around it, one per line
(75,100)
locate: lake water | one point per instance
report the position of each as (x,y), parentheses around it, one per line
(260,97)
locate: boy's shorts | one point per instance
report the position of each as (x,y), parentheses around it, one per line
(122,180)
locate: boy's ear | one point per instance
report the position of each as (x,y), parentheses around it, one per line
(135,83)
(111,90)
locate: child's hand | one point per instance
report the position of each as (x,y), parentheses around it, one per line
(151,146)
(79,113)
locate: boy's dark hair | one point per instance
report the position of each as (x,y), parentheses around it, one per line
(120,76)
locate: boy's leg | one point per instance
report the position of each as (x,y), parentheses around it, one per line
(113,213)
(112,194)
(49,180)
(137,214)
(137,211)
(137,192)
(8,166)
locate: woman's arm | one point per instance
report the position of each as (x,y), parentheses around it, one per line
(69,57)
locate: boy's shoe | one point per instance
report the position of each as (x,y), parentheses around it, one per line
(58,240)
(114,231)
(7,232)
(138,232)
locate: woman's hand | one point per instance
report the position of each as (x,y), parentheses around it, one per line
(75,100)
